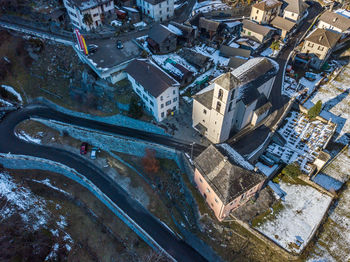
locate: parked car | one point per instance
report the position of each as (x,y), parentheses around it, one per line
(92,48)
(93,152)
(83,148)
(116,23)
(119,44)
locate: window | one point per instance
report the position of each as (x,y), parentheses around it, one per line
(249,33)
(174,108)
(160,12)
(310,45)
(160,5)
(161,98)
(151,103)
(94,15)
(211,204)
(174,91)
(257,11)
(217,201)
(208,190)
(145,97)
(204,111)
(175,99)
(292,14)
(200,180)
(320,48)
(162,114)
(167,9)
(221,93)
(138,91)
(167,2)
(162,105)
(168,102)
(218,106)
(72,14)
(256,18)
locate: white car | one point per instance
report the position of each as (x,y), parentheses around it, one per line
(93,152)
(116,23)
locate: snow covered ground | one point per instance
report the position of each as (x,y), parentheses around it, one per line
(294,225)
(160,60)
(13,91)
(336,103)
(22,135)
(208,6)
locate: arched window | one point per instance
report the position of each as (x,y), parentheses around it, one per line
(221,93)
(218,106)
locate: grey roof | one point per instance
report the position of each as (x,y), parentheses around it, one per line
(335,20)
(208,25)
(253,74)
(227,81)
(206,98)
(296,6)
(226,178)
(324,37)
(235,62)
(197,59)
(256,28)
(282,23)
(229,51)
(187,30)
(87,4)
(150,76)
(159,33)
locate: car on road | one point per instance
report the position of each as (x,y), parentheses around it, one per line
(116,23)
(120,44)
(83,148)
(93,152)
(92,48)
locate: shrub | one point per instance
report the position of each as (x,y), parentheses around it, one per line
(135,109)
(292,170)
(315,110)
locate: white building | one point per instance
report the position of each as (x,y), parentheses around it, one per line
(96,9)
(235,99)
(158,10)
(158,91)
(295,10)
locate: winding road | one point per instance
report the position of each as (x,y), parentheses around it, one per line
(178,249)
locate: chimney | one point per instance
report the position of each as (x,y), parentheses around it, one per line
(335,19)
(256,169)
(321,37)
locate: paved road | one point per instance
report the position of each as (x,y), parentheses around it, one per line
(252,138)
(10,143)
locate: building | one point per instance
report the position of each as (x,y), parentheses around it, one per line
(235,62)
(229,51)
(88,14)
(189,33)
(158,10)
(256,32)
(319,45)
(334,22)
(161,40)
(285,26)
(208,28)
(198,60)
(224,185)
(263,12)
(234,27)
(295,10)
(158,91)
(234,100)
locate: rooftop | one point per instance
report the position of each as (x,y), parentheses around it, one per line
(108,55)
(229,51)
(256,28)
(150,76)
(235,62)
(296,6)
(282,23)
(205,98)
(208,25)
(267,4)
(159,33)
(87,4)
(227,179)
(323,37)
(335,20)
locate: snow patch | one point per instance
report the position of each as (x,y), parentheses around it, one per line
(13,91)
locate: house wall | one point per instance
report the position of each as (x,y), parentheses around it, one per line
(324,25)
(241,199)
(159,12)
(247,32)
(264,17)
(200,114)
(248,114)
(291,16)
(320,51)
(209,195)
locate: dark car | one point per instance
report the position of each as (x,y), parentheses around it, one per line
(92,48)
(119,44)
(83,148)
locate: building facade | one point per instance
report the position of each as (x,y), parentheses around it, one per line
(234,100)
(224,185)
(158,10)
(78,11)
(335,22)
(158,91)
(295,10)
(319,46)
(263,12)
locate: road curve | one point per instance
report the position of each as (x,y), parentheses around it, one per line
(180,250)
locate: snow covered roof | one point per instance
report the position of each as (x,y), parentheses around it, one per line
(175,30)
(87,4)
(225,177)
(267,4)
